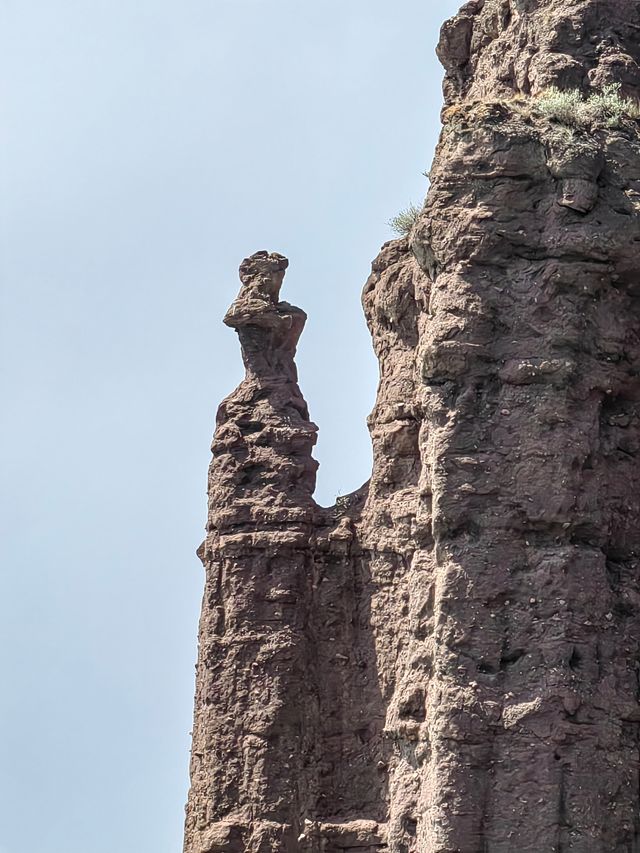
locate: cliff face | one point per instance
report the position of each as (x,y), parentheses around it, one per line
(447,661)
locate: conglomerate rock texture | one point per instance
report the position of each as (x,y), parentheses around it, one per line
(448,660)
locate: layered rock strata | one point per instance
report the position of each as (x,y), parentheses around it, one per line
(447,661)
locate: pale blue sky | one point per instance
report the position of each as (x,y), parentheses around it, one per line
(147,147)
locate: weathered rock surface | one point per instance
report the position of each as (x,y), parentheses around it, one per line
(447,661)
(496,48)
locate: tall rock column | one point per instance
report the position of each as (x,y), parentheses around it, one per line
(529,361)
(254,710)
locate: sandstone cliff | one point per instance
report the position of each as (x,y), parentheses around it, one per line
(447,661)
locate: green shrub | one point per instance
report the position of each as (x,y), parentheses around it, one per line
(607,107)
(564,107)
(404,221)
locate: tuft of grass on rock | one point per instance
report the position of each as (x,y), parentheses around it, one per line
(404,221)
(570,108)
(560,106)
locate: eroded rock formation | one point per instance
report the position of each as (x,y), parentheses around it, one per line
(447,661)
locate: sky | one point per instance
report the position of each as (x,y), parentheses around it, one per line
(146,148)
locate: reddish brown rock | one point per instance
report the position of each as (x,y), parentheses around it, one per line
(498,48)
(447,660)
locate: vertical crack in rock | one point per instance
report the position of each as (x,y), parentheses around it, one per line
(447,660)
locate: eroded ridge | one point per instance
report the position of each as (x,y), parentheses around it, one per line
(447,660)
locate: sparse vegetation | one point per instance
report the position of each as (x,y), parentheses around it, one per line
(570,108)
(404,221)
(564,107)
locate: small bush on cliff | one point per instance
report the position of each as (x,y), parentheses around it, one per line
(607,107)
(610,107)
(561,106)
(404,221)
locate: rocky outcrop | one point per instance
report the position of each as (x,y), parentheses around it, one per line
(254,725)
(498,48)
(447,660)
